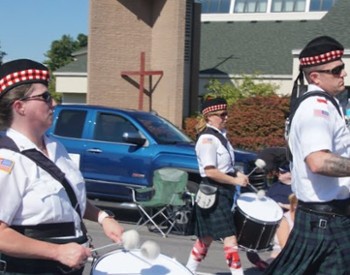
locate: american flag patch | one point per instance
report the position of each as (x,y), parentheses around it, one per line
(207,140)
(6,165)
(322,100)
(321,113)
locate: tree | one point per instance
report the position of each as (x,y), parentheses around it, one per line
(2,54)
(60,54)
(244,88)
(61,51)
(256,113)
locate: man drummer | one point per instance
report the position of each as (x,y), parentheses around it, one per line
(320,146)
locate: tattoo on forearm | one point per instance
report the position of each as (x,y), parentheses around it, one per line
(336,166)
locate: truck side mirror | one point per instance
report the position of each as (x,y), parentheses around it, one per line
(134,138)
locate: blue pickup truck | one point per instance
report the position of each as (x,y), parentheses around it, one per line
(119,148)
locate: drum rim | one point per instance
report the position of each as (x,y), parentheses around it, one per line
(259,221)
(123,250)
(274,203)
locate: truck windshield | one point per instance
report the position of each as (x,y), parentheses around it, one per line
(162,130)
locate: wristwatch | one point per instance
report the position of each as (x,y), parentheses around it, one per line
(105,214)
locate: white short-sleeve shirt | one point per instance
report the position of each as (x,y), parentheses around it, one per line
(211,152)
(29,195)
(318,126)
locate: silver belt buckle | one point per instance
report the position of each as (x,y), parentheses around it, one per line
(322,224)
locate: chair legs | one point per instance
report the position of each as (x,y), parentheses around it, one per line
(150,219)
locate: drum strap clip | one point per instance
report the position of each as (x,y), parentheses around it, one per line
(322,224)
(3,266)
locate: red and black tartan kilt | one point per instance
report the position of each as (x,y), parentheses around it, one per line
(217,221)
(318,244)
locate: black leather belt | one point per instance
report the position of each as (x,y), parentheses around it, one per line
(37,266)
(44,231)
(331,208)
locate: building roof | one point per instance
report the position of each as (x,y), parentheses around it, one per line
(265,47)
(78,65)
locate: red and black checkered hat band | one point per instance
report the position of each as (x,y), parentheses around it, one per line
(321,59)
(24,76)
(22,71)
(214,108)
(319,51)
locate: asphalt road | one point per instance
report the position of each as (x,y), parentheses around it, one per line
(175,246)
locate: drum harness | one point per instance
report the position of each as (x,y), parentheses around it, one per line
(224,142)
(331,208)
(45,232)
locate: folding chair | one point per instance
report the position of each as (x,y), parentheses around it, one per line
(169,186)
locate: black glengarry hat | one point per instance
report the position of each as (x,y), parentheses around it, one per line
(213,105)
(321,50)
(22,71)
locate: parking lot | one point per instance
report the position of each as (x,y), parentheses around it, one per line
(174,246)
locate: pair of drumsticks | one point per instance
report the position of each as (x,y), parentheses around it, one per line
(131,240)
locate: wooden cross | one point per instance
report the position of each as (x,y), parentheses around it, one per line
(142,73)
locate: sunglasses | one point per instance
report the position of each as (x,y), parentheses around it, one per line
(222,115)
(335,71)
(45,96)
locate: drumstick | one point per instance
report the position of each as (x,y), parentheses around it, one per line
(150,250)
(253,187)
(259,163)
(105,246)
(130,240)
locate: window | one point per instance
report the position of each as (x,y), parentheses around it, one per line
(216,6)
(70,123)
(288,5)
(111,127)
(321,5)
(246,6)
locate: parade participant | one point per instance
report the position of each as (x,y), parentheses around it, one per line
(284,228)
(215,157)
(42,193)
(319,143)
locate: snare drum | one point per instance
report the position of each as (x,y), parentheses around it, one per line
(256,221)
(132,262)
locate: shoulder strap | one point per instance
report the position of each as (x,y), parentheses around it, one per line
(305,96)
(211,131)
(49,166)
(296,105)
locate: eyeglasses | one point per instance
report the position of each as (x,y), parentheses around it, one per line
(222,115)
(335,71)
(282,171)
(45,96)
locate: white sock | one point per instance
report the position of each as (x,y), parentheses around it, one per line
(237,271)
(192,264)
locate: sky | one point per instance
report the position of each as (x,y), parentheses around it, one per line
(28,27)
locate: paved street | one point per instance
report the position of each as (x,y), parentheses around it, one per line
(175,246)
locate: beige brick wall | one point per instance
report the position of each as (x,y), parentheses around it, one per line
(119,31)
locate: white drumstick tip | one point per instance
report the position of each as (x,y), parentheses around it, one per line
(260,163)
(261,194)
(131,239)
(150,250)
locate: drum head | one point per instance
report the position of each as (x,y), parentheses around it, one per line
(263,209)
(132,262)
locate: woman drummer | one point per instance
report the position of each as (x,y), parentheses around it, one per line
(215,157)
(42,192)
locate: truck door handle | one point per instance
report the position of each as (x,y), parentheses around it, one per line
(94,150)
